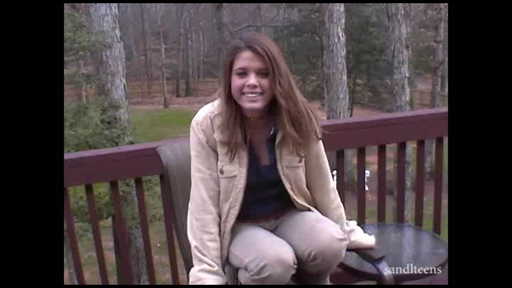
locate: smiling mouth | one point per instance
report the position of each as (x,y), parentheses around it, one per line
(252,94)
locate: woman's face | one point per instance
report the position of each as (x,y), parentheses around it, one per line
(250,84)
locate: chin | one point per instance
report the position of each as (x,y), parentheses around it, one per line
(253,107)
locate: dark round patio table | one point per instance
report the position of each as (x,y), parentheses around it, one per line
(411,253)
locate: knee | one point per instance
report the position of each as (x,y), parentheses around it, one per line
(334,243)
(276,267)
(328,249)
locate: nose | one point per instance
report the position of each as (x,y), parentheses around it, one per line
(252,81)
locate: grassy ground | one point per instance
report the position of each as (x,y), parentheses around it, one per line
(158,124)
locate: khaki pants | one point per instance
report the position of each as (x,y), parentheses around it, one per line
(271,252)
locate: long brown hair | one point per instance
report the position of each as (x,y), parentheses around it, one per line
(296,119)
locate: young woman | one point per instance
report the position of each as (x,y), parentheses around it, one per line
(262,197)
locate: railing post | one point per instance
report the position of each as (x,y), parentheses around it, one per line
(121,278)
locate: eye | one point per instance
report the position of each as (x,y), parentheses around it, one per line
(241,74)
(264,74)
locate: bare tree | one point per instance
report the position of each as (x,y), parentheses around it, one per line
(179,17)
(83,90)
(258,17)
(105,20)
(111,68)
(221,30)
(437,66)
(201,41)
(159,11)
(444,77)
(438,57)
(408,25)
(335,74)
(146,49)
(188,51)
(400,54)
(132,40)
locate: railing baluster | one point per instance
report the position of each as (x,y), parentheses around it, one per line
(420,182)
(121,278)
(381,174)
(145,230)
(361,192)
(70,227)
(169,231)
(438,185)
(96,233)
(401,183)
(340,174)
(122,236)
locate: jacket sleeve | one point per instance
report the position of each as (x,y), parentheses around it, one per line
(325,195)
(203,223)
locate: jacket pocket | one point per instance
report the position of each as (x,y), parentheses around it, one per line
(295,171)
(227,173)
(293,161)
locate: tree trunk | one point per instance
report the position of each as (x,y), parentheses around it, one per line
(436,86)
(444,76)
(412,74)
(335,74)
(178,86)
(438,58)
(159,12)
(352,95)
(145,41)
(188,54)
(135,243)
(400,56)
(219,21)
(133,44)
(335,71)
(83,90)
(402,95)
(193,42)
(69,261)
(201,41)
(112,71)
(105,19)
(179,19)
(282,20)
(201,54)
(258,18)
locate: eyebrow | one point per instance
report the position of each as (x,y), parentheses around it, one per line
(245,68)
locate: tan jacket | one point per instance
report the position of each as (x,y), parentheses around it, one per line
(218,187)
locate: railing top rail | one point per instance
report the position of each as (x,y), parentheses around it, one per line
(139,160)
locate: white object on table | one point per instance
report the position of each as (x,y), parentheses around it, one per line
(366,176)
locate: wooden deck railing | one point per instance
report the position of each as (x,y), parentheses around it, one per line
(381,131)
(137,161)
